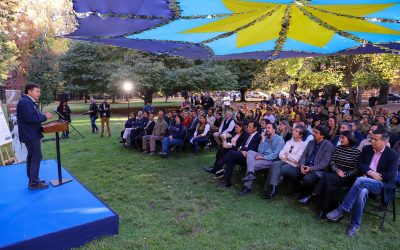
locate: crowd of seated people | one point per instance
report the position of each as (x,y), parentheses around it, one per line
(318,152)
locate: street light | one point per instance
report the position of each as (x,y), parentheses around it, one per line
(128,88)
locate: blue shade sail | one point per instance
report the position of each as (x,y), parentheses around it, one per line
(156,8)
(244,29)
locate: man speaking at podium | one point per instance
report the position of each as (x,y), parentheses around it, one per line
(29,120)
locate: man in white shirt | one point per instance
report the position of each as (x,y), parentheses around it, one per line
(225,130)
(289,158)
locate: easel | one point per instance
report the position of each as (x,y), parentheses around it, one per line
(7,156)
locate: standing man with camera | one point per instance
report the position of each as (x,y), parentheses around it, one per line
(29,120)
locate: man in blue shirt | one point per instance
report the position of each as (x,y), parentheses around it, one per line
(268,151)
(29,120)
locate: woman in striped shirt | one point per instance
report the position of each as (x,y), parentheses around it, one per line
(344,170)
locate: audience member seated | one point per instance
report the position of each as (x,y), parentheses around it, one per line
(364,126)
(268,151)
(201,135)
(129,126)
(380,165)
(269,116)
(344,126)
(210,117)
(284,130)
(147,130)
(313,162)
(239,137)
(333,128)
(137,128)
(367,141)
(159,130)
(357,134)
(344,170)
(186,104)
(225,130)
(238,157)
(174,136)
(193,124)
(187,118)
(217,123)
(289,161)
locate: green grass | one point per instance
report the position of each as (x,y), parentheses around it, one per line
(173,203)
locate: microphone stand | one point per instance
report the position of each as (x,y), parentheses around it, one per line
(69,123)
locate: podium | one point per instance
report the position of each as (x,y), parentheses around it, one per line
(56,127)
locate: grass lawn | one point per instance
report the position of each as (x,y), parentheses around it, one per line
(173,203)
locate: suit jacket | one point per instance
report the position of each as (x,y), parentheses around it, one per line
(253,145)
(29,120)
(104,109)
(322,158)
(387,167)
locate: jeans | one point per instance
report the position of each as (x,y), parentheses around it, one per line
(357,197)
(167,142)
(93,123)
(195,141)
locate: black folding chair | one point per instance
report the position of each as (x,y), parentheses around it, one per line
(381,210)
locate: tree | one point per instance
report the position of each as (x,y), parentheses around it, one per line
(8,48)
(84,68)
(43,69)
(245,70)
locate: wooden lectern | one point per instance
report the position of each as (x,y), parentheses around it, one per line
(56,127)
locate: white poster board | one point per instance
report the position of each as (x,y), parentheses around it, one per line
(5,135)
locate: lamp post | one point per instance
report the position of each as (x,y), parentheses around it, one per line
(128,88)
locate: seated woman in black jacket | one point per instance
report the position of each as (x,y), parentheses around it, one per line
(237,139)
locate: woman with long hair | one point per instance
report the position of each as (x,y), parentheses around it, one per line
(201,135)
(64,114)
(333,127)
(284,130)
(238,138)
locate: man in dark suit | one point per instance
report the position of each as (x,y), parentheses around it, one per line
(238,157)
(29,120)
(379,165)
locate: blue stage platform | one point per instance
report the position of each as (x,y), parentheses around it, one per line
(56,218)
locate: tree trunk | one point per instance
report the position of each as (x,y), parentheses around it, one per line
(148,96)
(351,68)
(359,101)
(242,95)
(383,94)
(293,88)
(113,97)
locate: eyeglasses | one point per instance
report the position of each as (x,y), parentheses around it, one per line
(374,140)
(291,148)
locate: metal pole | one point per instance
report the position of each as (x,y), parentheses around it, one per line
(58,157)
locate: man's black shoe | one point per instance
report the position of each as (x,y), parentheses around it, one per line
(336,214)
(37,186)
(305,199)
(272,190)
(249,177)
(352,230)
(219,175)
(224,185)
(321,215)
(244,192)
(210,170)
